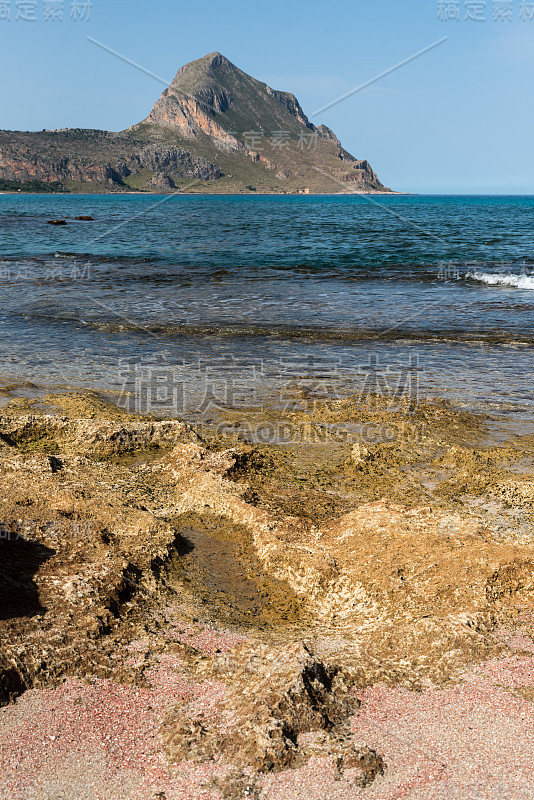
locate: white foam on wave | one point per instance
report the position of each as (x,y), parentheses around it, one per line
(503,279)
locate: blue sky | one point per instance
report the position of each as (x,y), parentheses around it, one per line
(458,119)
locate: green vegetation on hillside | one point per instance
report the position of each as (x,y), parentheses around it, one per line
(54,187)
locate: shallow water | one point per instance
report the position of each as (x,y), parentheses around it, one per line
(200,302)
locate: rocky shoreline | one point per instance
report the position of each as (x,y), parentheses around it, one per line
(253,612)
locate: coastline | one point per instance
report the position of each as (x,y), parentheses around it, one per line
(384,549)
(210,194)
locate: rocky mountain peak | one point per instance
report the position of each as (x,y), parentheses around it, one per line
(214,124)
(204,73)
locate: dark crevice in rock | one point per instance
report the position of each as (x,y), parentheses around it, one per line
(20,560)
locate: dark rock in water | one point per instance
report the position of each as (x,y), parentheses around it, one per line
(57,221)
(85,218)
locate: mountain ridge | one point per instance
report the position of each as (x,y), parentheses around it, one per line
(214,125)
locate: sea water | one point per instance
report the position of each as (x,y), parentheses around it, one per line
(190,303)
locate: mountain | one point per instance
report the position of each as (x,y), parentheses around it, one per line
(215,129)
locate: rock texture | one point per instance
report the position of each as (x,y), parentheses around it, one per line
(273,697)
(145,552)
(214,126)
(95,157)
(73,549)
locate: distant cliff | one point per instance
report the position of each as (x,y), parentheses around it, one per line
(215,129)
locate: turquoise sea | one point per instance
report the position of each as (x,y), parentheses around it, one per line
(196,302)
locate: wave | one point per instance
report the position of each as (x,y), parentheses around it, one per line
(503,279)
(157,270)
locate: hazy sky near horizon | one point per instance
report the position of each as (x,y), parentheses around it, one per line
(459,118)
